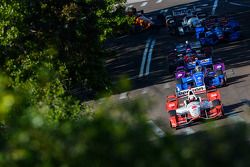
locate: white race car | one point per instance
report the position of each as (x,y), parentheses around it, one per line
(194,107)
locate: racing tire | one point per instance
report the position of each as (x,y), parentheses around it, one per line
(222,112)
(179,81)
(216,102)
(219,72)
(224,82)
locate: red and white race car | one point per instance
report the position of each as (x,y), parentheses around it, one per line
(183,111)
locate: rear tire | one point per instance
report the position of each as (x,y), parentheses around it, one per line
(222,112)
(219,72)
(179,81)
(224,82)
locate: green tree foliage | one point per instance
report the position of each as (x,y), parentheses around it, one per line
(49,46)
(45,44)
(117,135)
(73,30)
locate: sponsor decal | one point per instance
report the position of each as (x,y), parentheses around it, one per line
(179,75)
(213,94)
(196,90)
(205,60)
(171,105)
(194,107)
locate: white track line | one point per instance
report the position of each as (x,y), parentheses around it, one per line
(236,118)
(150,57)
(164,11)
(189,131)
(158,1)
(158,131)
(144,4)
(203,5)
(144,57)
(123,95)
(214,6)
(133,1)
(144,91)
(130,6)
(166,85)
(238,4)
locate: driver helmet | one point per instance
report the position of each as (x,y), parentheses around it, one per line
(198,68)
(191,96)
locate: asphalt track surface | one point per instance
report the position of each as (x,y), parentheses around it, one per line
(159,83)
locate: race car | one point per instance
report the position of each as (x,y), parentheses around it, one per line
(184,20)
(214,72)
(195,45)
(215,75)
(191,80)
(142,23)
(212,21)
(199,61)
(219,33)
(232,31)
(190,62)
(188,52)
(190,108)
(218,29)
(215,78)
(207,38)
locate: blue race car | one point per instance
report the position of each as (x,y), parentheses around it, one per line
(232,31)
(215,75)
(202,62)
(184,83)
(207,38)
(205,73)
(192,80)
(218,30)
(215,79)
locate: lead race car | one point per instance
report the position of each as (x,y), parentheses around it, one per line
(184,20)
(191,107)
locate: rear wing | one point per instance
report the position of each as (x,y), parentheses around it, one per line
(212,21)
(205,62)
(196,90)
(184,11)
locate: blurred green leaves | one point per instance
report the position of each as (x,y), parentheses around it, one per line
(11,19)
(47,47)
